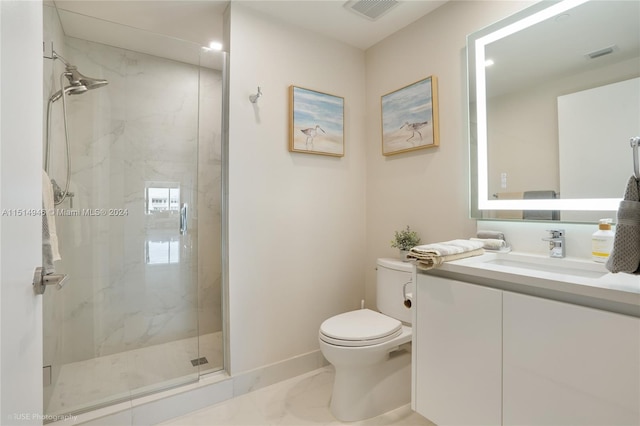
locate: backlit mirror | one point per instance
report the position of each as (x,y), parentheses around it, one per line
(554,96)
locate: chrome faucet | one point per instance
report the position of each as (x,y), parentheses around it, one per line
(556,242)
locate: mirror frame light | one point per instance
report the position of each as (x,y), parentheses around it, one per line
(476,45)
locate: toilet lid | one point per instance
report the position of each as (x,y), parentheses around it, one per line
(363,327)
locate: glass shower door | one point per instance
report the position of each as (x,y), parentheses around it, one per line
(126,323)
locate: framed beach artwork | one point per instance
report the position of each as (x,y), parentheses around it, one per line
(316,122)
(410,117)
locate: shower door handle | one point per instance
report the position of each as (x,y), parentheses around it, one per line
(184,209)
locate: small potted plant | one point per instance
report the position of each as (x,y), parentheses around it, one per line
(404,240)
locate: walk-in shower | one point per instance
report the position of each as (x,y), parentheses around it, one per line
(142,309)
(78,84)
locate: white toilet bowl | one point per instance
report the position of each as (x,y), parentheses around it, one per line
(371,353)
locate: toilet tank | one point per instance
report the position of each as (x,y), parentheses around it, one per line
(390,280)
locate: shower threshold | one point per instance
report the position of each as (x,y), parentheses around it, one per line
(100,382)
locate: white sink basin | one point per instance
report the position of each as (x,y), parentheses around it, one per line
(561,266)
(572,276)
(525,264)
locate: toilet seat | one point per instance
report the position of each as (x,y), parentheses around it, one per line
(363,327)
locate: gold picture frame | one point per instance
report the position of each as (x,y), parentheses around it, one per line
(316,122)
(410,117)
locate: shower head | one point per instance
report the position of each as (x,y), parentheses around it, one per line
(69,90)
(79,83)
(76,79)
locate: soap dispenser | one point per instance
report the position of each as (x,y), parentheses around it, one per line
(602,241)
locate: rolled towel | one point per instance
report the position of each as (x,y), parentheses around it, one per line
(625,256)
(429,256)
(497,235)
(491,243)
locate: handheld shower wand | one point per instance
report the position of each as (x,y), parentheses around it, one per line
(79,84)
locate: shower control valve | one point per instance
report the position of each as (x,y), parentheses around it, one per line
(41,281)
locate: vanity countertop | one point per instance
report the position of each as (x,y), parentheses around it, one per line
(568,279)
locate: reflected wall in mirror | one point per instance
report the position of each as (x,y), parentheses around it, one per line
(554,95)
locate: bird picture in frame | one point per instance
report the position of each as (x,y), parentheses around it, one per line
(410,117)
(316,122)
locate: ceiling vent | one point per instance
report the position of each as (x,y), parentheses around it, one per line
(371,9)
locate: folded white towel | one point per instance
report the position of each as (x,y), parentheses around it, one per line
(446,248)
(429,256)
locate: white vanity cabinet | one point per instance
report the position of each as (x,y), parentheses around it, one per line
(568,365)
(485,355)
(457,343)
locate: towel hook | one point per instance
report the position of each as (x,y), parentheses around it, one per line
(254,98)
(634,142)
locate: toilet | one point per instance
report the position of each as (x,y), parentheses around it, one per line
(370,350)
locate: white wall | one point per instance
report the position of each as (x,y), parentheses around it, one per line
(524,141)
(426,189)
(296,221)
(593,154)
(20,188)
(528,151)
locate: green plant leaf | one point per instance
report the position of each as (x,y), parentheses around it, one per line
(405,239)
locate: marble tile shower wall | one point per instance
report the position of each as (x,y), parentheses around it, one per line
(139,131)
(209,202)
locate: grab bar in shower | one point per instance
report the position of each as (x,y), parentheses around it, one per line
(634,142)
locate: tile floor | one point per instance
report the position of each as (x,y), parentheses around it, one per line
(124,375)
(300,401)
